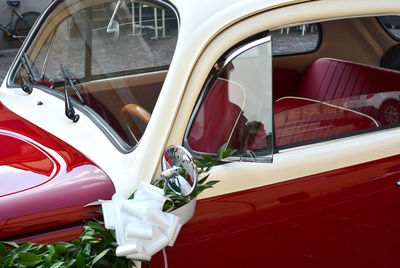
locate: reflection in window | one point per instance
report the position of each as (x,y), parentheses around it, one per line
(295,40)
(392,25)
(237,109)
(336,98)
(119,76)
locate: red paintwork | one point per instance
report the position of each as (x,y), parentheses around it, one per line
(23,165)
(65,234)
(45,183)
(343,218)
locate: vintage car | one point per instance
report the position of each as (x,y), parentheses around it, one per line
(101,87)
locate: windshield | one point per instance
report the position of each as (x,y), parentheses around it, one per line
(119,72)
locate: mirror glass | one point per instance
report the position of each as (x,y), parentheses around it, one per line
(115,27)
(184,180)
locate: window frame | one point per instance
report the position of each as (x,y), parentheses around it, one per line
(225,59)
(394,37)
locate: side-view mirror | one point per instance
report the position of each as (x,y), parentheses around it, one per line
(113,25)
(115,29)
(178,170)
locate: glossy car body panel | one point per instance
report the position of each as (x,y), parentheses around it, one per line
(45,182)
(342,218)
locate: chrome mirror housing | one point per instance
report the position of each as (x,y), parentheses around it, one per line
(115,29)
(113,25)
(178,170)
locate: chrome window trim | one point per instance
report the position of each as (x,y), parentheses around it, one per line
(226,58)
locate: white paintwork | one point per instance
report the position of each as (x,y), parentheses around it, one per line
(202,25)
(296,162)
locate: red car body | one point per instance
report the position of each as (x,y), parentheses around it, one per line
(329,198)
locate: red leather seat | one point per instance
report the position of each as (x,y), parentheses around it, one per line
(220,119)
(329,79)
(284,82)
(215,120)
(334,82)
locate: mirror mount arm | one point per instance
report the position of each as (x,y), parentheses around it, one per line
(110,28)
(168,174)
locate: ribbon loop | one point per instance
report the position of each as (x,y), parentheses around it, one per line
(142,228)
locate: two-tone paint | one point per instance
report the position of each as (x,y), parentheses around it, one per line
(45,183)
(342,218)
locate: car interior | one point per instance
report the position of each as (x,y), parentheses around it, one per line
(119,78)
(329,92)
(332,79)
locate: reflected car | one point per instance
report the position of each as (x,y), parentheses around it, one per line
(385,106)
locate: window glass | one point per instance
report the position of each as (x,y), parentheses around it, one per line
(295,40)
(237,109)
(118,73)
(392,25)
(342,93)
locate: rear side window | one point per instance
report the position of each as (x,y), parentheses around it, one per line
(343,92)
(391,25)
(300,39)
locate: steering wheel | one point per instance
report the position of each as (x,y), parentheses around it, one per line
(127,113)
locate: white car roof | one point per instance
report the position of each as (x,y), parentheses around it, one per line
(203,19)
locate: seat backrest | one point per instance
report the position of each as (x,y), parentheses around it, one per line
(329,79)
(216,119)
(284,81)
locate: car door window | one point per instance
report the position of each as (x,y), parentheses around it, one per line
(236,108)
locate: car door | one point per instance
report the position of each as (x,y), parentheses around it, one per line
(328,202)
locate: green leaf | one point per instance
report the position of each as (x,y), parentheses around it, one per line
(3,250)
(228,153)
(29,259)
(221,150)
(60,249)
(101,255)
(208,158)
(57,264)
(203,179)
(51,249)
(7,262)
(210,184)
(48,258)
(24,248)
(71,263)
(87,249)
(80,261)
(13,244)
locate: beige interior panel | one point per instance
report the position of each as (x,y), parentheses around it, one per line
(126,81)
(364,41)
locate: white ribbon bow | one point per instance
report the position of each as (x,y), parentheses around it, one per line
(142,228)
